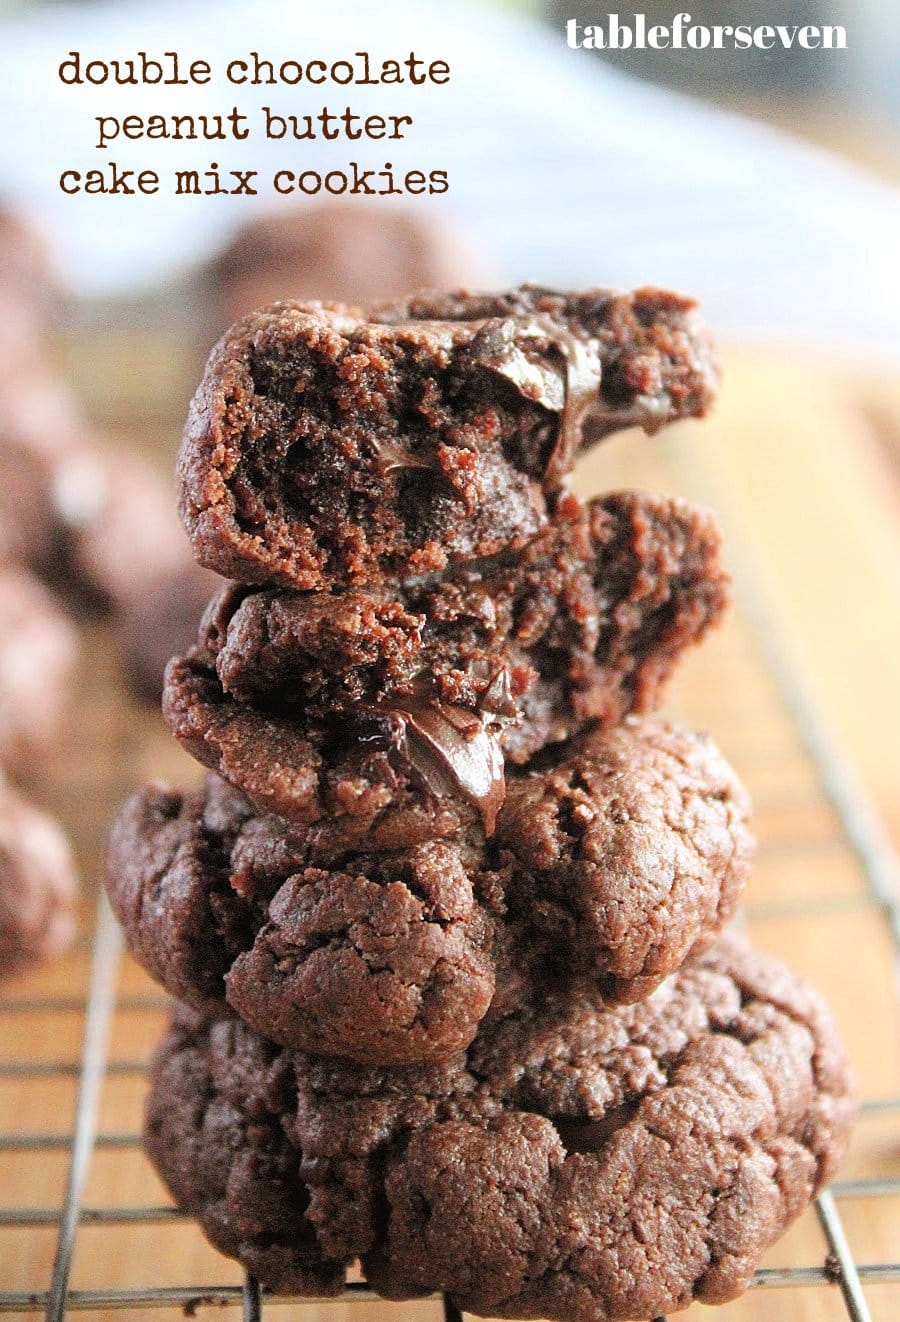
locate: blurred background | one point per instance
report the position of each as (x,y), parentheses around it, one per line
(767,184)
(567,166)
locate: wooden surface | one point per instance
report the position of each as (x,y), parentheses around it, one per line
(803,465)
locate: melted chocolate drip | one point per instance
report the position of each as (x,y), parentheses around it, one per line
(583,373)
(390,457)
(571,390)
(450,750)
(651,412)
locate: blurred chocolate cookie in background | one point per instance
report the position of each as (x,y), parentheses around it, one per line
(38,653)
(159,623)
(29,289)
(38,886)
(343,253)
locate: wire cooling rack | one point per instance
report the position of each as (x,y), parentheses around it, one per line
(824,863)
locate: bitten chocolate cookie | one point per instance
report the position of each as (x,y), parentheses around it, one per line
(657,359)
(396,781)
(585,622)
(611,866)
(323,450)
(38,655)
(390,711)
(38,885)
(576,1163)
(356,254)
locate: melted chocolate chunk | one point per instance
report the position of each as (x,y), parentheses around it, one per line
(450,749)
(498,701)
(392,457)
(570,389)
(583,373)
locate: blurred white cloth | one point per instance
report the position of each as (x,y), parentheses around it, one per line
(573,173)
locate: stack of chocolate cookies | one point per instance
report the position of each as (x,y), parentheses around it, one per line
(445,916)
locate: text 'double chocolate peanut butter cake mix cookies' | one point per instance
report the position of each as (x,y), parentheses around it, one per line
(445,915)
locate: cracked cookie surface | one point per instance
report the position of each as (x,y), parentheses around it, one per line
(577,1162)
(608,868)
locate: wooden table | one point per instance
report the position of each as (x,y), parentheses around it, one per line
(801,461)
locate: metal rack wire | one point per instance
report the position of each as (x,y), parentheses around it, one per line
(860,833)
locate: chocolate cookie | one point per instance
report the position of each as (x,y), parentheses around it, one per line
(38,654)
(611,867)
(394,708)
(388,783)
(159,621)
(38,885)
(95,520)
(26,267)
(355,254)
(323,450)
(578,1162)
(657,359)
(623,854)
(585,622)
(383,957)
